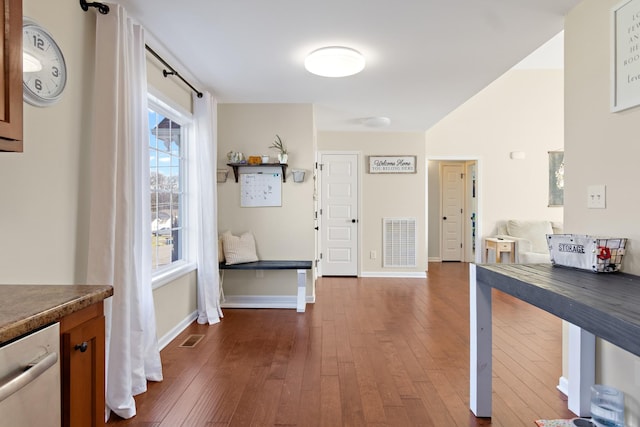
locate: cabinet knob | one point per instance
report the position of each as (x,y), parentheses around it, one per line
(82,347)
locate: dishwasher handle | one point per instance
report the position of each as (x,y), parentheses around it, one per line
(32,372)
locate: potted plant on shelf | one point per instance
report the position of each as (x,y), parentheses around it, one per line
(282,150)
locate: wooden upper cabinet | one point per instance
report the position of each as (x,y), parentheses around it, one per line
(11,76)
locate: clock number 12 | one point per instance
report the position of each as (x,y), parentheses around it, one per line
(38,42)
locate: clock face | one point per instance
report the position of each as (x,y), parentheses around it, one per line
(44,71)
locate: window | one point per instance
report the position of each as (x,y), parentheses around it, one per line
(168,181)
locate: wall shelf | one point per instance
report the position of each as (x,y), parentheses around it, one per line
(235,167)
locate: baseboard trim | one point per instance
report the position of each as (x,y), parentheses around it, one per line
(563,386)
(176,330)
(434,259)
(396,274)
(259,301)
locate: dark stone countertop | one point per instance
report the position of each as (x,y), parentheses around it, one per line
(24,308)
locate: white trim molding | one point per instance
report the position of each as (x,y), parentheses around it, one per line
(176,330)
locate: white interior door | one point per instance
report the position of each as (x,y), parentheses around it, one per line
(339,214)
(452,211)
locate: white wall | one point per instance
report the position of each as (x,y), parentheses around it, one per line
(284,232)
(601,147)
(45,190)
(433,201)
(385,195)
(44,215)
(520,111)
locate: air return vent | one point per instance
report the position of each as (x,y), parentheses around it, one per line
(399,242)
(191,341)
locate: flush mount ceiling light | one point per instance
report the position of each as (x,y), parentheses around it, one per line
(376,122)
(334,61)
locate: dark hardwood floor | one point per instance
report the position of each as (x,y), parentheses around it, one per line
(369,352)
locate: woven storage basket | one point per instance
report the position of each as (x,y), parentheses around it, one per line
(598,254)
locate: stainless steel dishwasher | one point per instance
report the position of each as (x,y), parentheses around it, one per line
(30,380)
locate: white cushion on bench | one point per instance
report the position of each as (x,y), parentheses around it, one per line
(238,250)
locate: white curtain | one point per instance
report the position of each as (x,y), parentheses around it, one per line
(205,152)
(120,229)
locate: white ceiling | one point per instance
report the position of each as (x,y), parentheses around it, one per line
(424,57)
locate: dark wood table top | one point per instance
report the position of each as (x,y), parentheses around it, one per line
(605,304)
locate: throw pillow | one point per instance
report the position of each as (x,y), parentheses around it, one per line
(220,250)
(534,231)
(239,249)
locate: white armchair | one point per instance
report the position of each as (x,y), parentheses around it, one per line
(530,237)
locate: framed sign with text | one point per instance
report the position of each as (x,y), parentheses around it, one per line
(625,55)
(392,164)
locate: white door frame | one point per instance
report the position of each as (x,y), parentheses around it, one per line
(479,192)
(319,248)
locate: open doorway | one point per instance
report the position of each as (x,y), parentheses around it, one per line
(453,206)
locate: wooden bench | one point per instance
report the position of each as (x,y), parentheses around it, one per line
(300,266)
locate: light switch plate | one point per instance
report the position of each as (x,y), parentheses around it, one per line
(596,197)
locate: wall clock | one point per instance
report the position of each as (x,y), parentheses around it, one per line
(44,73)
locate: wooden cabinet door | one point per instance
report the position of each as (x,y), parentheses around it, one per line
(11,76)
(83,350)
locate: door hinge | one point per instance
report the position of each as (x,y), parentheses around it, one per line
(320,255)
(460,245)
(320,211)
(320,166)
(461,176)
(460,210)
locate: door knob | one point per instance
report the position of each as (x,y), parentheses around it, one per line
(82,347)
(354,221)
(444,217)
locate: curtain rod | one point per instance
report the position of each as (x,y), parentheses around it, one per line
(173,72)
(104,9)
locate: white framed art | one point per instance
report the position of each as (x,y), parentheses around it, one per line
(625,55)
(392,164)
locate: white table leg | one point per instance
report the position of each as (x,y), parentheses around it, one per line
(480,346)
(582,370)
(302,291)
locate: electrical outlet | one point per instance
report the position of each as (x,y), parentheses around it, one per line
(596,197)
(373,255)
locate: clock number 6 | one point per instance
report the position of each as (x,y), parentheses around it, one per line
(38,42)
